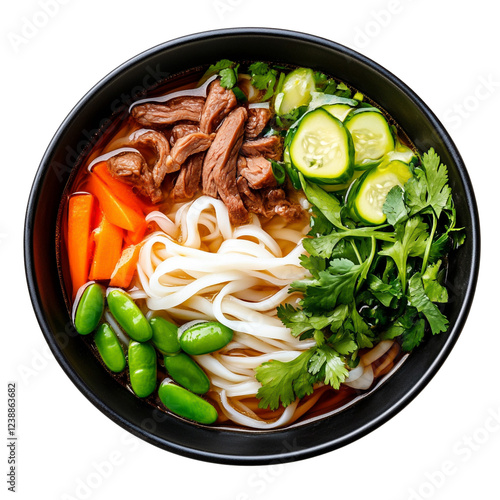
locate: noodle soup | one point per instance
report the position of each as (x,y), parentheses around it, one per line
(252,200)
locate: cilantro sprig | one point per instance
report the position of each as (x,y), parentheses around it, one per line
(227,70)
(366,283)
(263,77)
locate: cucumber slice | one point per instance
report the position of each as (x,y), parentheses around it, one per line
(296,91)
(322,149)
(342,187)
(371,135)
(319,99)
(402,153)
(367,195)
(339,111)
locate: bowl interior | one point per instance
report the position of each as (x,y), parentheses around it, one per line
(81,129)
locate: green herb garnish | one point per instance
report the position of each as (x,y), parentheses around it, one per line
(366,283)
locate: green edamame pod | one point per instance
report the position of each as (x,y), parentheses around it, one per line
(186,372)
(186,404)
(165,336)
(89,309)
(109,348)
(203,338)
(142,365)
(129,316)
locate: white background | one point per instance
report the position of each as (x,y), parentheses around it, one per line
(445,444)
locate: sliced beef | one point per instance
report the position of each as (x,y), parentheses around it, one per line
(257,171)
(268,202)
(219,166)
(132,168)
(257,120)
(186,146)
(189,179)
(182,129)
(220,102)
(158,143)
(275,200)
(269,147)
(252,198)
(162,114)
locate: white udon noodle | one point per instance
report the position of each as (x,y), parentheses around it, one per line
(199,267)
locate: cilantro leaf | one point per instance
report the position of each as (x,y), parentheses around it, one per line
(228,78)
(343,342)
(433,289)
(428,188)
(394,207)
(384,292)
(324,83)
(410,327)
(419,299)
(263,78)
(410,241)
(216,68)
(300,322)
(327,360)
(313,264)
(284,381)
(333,286)
(364,335)
(323,246)
(413,335)
(439,247)
(320,225)
(295,319)
(226,69)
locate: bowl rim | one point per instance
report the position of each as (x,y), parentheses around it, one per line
(329,444)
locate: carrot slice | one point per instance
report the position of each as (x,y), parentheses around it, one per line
(80,215)
(125,268)
(123,191)
(109,238)
(115,210)
(135,237)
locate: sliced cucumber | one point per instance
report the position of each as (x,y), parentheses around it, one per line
(402,153)
(296,91)
(371,135)
(320,99)
(367,195)
(339,111)
(341,187)
(321,148)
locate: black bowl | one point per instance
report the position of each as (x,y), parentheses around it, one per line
(85,124)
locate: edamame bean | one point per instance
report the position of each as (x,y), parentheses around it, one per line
(203,338)
(129,316)
(186,372)
(165,336)
(186,404)
(142,365)
(109,348)
(89,309)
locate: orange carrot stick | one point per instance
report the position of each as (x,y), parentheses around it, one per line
(123,191)
(125,268)
(115,210)
(135,237)
(107,252)
(80,213)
